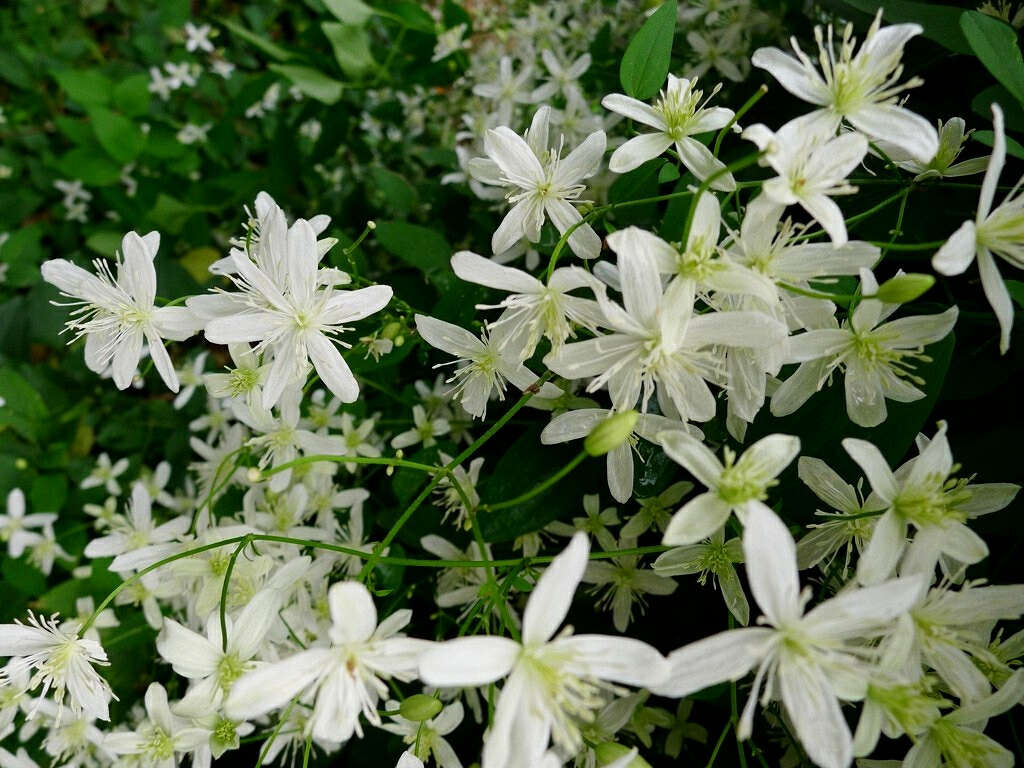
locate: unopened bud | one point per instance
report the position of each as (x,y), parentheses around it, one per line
(391,330)
(20,463)
(419,708)
(610,752)
(903,288)
(610,433)
(254,475)
(371,225)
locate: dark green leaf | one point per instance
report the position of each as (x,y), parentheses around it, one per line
(1013,147)
(271,49)
(350,11)
(88,87)
(941,22)
(351,47)
(995,43)
(426,249)
(646,61)
(311,82)
(118,135)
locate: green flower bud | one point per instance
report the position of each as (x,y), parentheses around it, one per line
(610,433)
(391,330)
(419,707)
(609,752)
(903,288)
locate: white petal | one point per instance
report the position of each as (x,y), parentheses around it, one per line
(468,661)
(637,151)
(190,654)
(353,614)
(957,253)
(802,82)
(447,337)
(273,686)
(620,659)
(476,269)
(551,597)
(698,519)
(332,368)
(816,715)
(769,554)
(880,557)
(723,657)
(874,465)
(634,110)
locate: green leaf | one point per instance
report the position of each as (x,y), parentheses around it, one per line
(132,96)
(1016,289)
(668,173)
(522,466)
(350,11)
(423,248)
(23,576)
(271,49)
(1013,112)
(118,135)
(413,16)
(24,409)
(170,214)
(48,493)
(1013,147)
(104,242)
(646,61)
(351,47)
(87,87)
(941,22)
(311,82)
(89,165)
(995,43)
(394,191)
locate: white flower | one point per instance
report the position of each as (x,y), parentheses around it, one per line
(677,115)
(116,314)
(861,88)
(160,738)
(508,90)
(848,525)
(427,738)
(998,232)
(812,165)
(923,495)
(808,661)
(482,368)
(15,525)
(244,381)
(737,485)
(716,556)
(624,583)
(61,660)
(533,310)
(191,133)
(292,316)
(181,73)
(564,78)
(450,41)
(595,523)
(541,184)
(138,542)
(949,631)
(424,430)
(160,85)
(878,359)
(577,424)
(952,137)
(280,438)
(346,676)
(190,376)
(958,737)
(204,660)
(197,38)
(553,681)
(658,343)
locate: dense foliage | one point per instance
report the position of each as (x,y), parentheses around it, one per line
(340,343)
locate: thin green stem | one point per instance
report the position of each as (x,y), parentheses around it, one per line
(277,729)
(540,487)
(747,105)
(224,594)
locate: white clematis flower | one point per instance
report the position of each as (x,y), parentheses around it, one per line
(533,310)
(552,681)
(116,312)
(812,165)
(994,232)
(482,366)
(677,115)
(542,185)
(15,525)
(862,89)
(347,677)
(807,660)
(658,343)
(737,485)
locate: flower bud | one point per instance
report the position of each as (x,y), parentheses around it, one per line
(391,330)
(610,433)
(419,707)
(254,475)
(903,288)
(609,752)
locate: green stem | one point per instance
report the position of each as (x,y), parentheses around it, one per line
(739,113)
(224,594)
(540,487)
(705,185)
